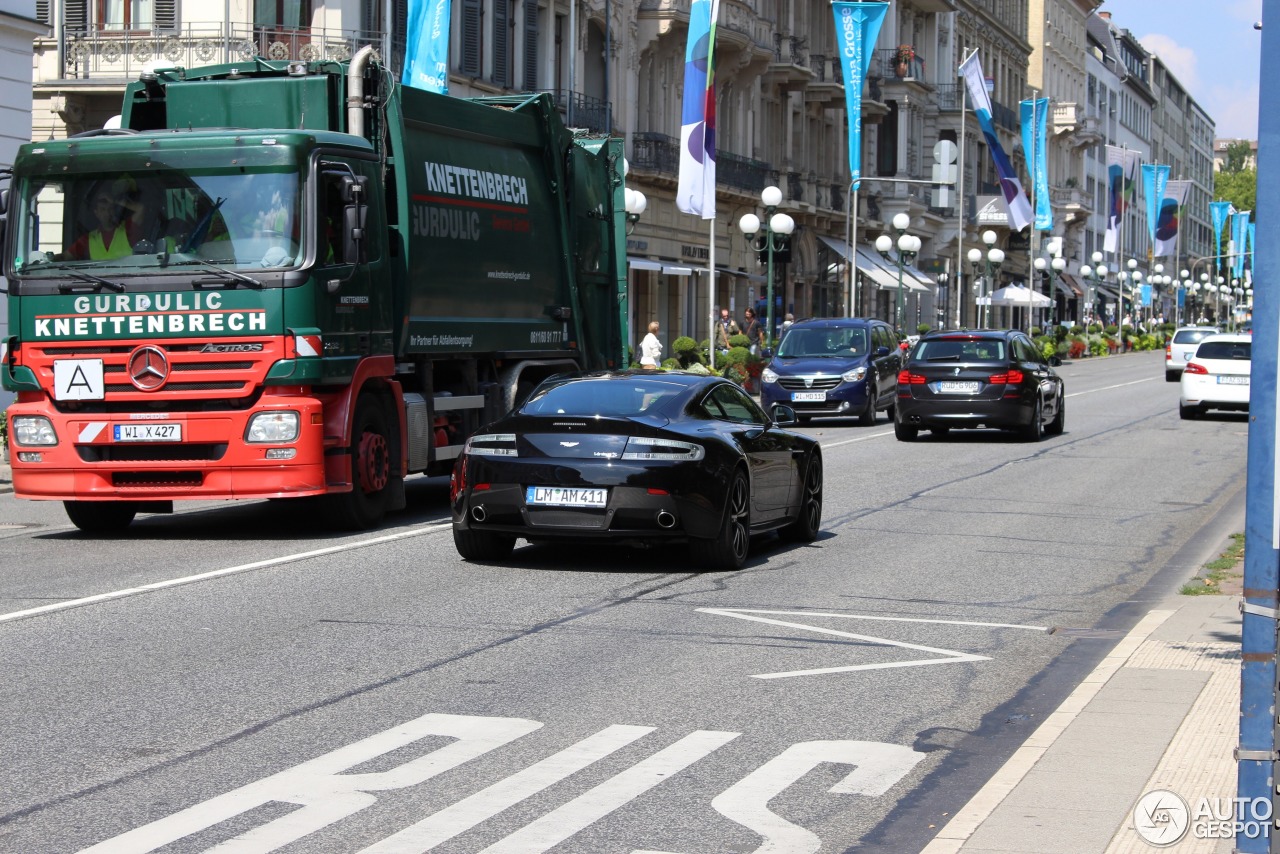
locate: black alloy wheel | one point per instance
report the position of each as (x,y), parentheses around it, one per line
(1059,422)
(728,548)
(1034,431)
(809,520)
(867,417)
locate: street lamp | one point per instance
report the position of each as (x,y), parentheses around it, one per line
(1184,286)
(1093,276)
(995,257)
(908,247)
(778,227)
(1053,265)
(635,203)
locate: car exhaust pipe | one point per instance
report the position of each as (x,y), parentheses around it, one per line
(478,513)
(666,520)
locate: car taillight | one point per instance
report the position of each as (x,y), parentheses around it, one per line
(1011,378)
(1168,351)
(1193,368)
(908,378)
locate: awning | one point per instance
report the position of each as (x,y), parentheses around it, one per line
(677,270)
(1106,292)
(885,277)
(1069,285)
(920,276)
(838,246)
(642,263)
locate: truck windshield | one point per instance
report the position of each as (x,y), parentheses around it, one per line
(155,222)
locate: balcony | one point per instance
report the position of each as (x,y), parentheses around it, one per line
(789,70)
(582,111)
(827,86)
(886,59)
(1071,203)
(121,54)
(659,154)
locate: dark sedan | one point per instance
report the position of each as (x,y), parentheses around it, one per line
(637,457)
(994,378)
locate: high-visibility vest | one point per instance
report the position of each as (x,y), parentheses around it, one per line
(99,251)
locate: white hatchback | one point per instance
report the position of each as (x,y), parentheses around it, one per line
(1181,347)
(1217,376)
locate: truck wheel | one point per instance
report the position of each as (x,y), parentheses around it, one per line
(482,545)
(372,459)
(728,548)
(100,517)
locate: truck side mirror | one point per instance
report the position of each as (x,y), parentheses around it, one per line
(353,243)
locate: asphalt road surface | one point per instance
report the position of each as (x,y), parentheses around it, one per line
(235,675)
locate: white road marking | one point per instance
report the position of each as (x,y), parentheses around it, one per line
(589,807)
(858,439)
(1111,387)
(219,573)
(878,767)
(323,793)
(951,656)
(483,805)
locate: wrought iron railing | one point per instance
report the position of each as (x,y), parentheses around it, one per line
(657,152)
(583,111)
(950,97)
(742,173)
(790,49)
(827,69)
(892,65)
(124,53)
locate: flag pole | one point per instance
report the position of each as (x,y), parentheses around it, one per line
(711,294)
(851,232)
(964,122)
(1034,241)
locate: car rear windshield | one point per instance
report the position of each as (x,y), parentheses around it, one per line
(802,343)
(1190,336)
(1238,350)
(960,350)
(609,397)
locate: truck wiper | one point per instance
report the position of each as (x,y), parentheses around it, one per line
(83,277)
(238,277)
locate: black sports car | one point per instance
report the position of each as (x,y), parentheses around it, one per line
(994,378)
(637,456)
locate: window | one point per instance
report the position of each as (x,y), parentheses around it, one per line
(281,14)
(730,403)
(124,14)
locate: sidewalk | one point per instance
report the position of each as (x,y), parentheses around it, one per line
(1160,712)
(6,478)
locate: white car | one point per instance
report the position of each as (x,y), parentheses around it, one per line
(1181,347)
(1217,376)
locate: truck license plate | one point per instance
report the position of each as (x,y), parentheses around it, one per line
(563,496)
(819,396)
(147,432)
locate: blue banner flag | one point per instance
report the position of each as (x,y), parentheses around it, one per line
(1251,233)
(1154,178)
(1015,201)
(1239,234)
(426,59)
(857,26)
(1035,138)
(1219,211)
(696,193)
(1175,199)
(1122,184)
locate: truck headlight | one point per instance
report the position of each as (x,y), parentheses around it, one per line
(854,375)
(272,427)
(768,376)
(33,430)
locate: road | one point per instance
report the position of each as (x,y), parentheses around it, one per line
(277,682)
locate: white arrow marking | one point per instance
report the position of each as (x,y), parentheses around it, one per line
(951,656)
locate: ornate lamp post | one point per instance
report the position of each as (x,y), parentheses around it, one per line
(1053,265)
(995,257)
(1184,288)
(778,228)
(1093,276)
(908,247)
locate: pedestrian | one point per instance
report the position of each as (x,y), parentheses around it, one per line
(725,329)
(651,349)
(786,324)
(753,330)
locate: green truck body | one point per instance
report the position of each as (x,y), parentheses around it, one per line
(283,279)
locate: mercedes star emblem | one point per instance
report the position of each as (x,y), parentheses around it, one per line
(148,368)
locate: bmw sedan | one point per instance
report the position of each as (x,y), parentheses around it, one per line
(994,378)
(1217,376)
(637,457)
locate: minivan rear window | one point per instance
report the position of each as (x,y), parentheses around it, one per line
(1190,336)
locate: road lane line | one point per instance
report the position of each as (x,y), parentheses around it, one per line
(980,807)
(483,805)
(593,805)
(219,573)
(1111,387)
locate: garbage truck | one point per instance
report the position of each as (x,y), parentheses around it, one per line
(296,280)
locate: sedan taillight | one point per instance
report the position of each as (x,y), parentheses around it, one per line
(1194,368)
(908,378)
(1013,377)
(645,448)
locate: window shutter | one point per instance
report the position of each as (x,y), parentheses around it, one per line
(75,14)
(502,43)
(470,60)
(530,45)
(166,14)
(42,13)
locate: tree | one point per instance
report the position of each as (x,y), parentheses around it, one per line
(1240,188)
(1238,154)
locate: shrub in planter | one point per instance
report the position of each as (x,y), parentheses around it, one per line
(1076,348)
(699,368)
(671,364)
(686,351)
(923,329)
(739,340)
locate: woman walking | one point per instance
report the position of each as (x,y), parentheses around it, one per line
(651,349)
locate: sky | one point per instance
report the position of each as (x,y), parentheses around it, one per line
(1211,47)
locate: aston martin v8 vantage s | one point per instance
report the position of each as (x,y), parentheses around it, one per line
(640,456)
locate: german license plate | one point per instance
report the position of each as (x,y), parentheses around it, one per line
(818,396)
(160,432)
(956,387)
(1233,380)
(562,496)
